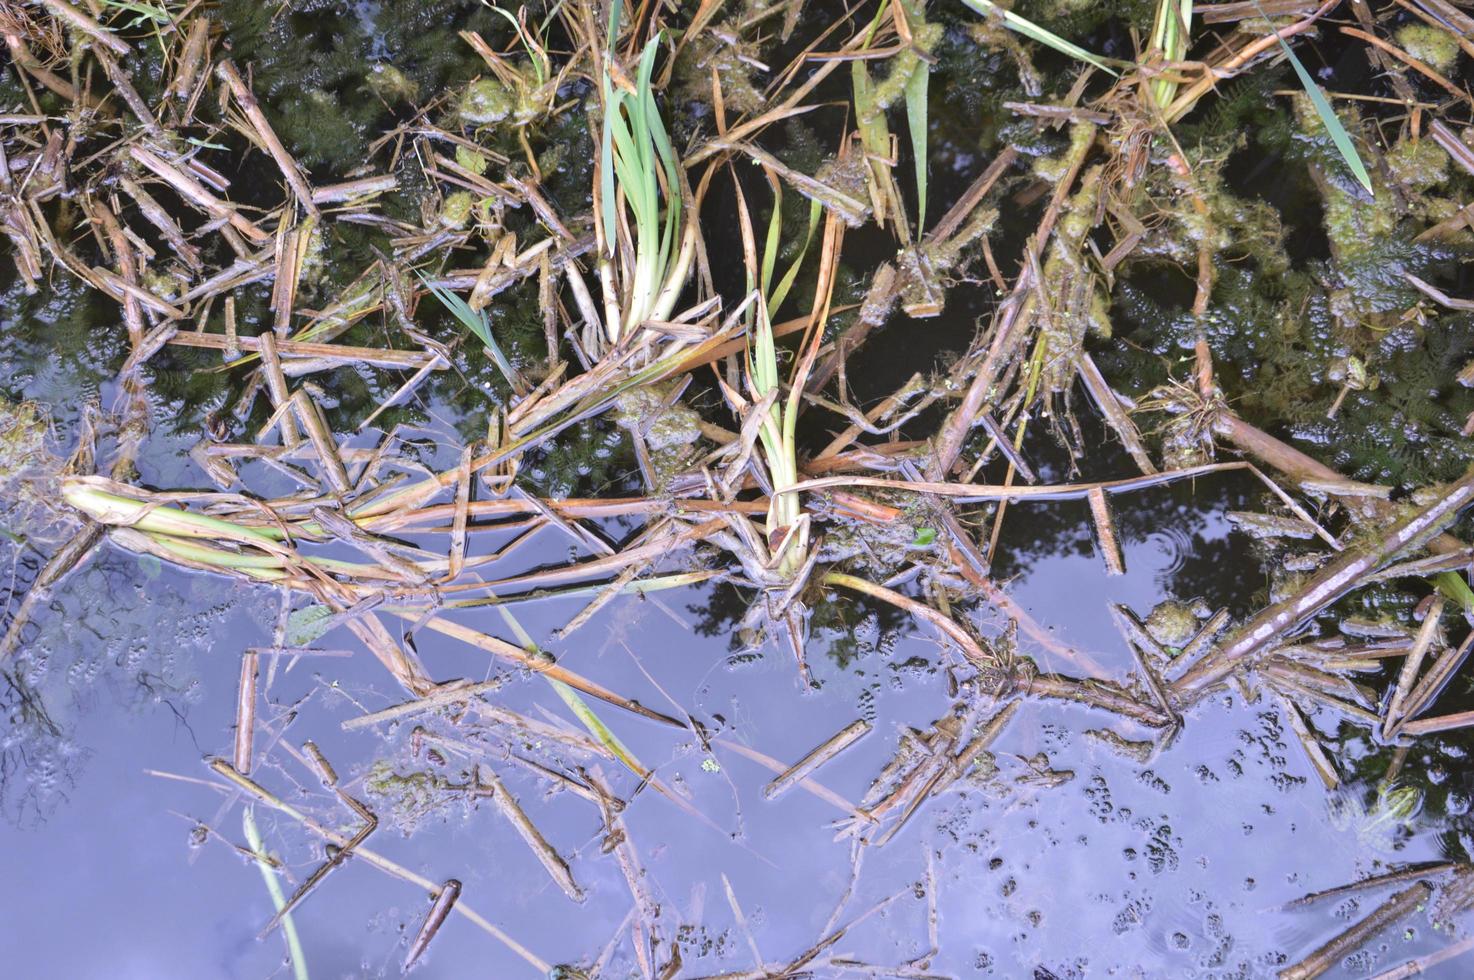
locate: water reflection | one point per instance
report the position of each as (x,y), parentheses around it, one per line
(1061,852)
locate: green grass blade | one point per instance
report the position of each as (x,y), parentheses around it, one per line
(476,322)
(1034,32)
(916,90)
(781,293)
(770,246)
(615,10)
(606,169)
(1452,585)
(540,63)
(278,900)
(1339,136)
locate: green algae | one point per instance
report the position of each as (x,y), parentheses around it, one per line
(671,432)
(1435,47)
(485,102)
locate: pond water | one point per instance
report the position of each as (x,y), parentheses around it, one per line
(1077,862)
(1078,845)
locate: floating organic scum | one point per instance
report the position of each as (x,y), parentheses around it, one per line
(767,404)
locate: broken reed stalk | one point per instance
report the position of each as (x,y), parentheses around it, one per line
(259,792)
(827,750)
(440,908)
(549,858)
(1344,572)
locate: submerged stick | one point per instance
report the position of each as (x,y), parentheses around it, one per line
(1340,575)
(445,900)
(831,747)
(1399,906)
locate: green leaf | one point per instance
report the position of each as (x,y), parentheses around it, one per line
(924,537)
(1452,585)
(1034,32)
(1339,136)
(816,209)
(306,626)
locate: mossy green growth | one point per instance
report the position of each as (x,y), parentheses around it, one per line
(455,212)
(1172,623)
(485,102)
(718,49)
(391,84)
(1418,165)
(412,798)
(892,87)
(1079,302)
(166,283)
(849,176)
(471,160)
(28,471)
(878,550)
(671,433)
(1435,47)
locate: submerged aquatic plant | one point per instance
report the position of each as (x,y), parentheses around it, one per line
(644,255)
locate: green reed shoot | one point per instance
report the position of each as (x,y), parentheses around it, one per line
(640,199)
(776,432)
(1171,35)
(780,447)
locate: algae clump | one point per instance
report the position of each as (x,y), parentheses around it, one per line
(1435,47)
(485,101)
